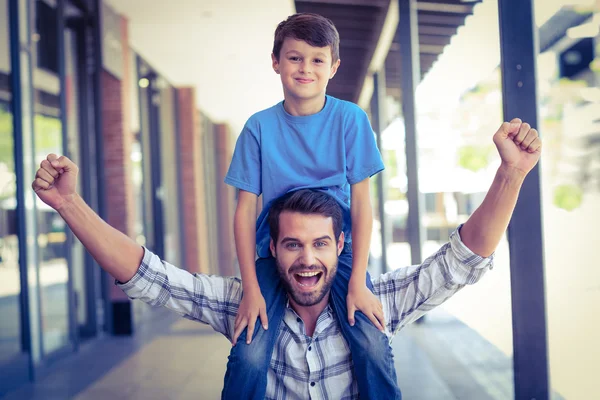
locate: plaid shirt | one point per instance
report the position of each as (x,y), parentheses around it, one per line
(317,367)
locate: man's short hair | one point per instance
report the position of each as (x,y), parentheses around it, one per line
(314,29)
(306,201)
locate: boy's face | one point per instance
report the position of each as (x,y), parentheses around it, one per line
(305,70)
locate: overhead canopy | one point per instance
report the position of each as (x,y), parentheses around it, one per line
(362,25)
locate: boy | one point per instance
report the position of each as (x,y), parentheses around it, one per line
(310,140)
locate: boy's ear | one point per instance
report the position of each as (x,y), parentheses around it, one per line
(272,247)
(275,63)
(334,68)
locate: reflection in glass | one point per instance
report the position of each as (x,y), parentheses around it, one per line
(51,240)
(10,284)
(73,147)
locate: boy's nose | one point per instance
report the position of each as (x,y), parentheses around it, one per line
(305,67)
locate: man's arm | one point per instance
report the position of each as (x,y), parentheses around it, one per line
(116,253)
(520,148)
(211,300)
(408,293)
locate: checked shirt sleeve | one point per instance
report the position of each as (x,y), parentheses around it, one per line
(408,293)
(212,300)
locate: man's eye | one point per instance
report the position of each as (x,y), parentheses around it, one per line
(320,244)
(291,245)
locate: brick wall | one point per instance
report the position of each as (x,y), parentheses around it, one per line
(192,174)
(117,141)
(225,201)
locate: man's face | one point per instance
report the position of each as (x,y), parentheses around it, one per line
(305,70)
(307,254)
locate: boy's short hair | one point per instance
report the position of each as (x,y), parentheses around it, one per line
(314,29)
(305,201)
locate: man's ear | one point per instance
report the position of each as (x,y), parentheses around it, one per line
(275,63)
(334,68)
(272,247)
(340,243)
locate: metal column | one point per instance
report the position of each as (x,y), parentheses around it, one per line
(379,120)
(411,76)
(518,44)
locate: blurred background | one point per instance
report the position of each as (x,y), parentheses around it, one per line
(148,98)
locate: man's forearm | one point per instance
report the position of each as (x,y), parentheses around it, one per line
(484,229)
(116,253)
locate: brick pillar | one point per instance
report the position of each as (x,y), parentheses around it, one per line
(225,201)
(117,142)
(192,174)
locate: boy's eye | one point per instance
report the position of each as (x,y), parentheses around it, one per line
(319,61)
(294,58)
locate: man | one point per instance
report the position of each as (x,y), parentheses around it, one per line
(311,359)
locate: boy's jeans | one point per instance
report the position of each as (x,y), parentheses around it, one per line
(246,376)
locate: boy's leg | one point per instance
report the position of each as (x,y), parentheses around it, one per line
(371,353)
(246,376)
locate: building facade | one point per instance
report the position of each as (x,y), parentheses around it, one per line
(151,164)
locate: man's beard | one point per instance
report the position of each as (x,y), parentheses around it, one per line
(307,299)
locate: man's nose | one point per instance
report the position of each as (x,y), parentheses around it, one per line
(308,256)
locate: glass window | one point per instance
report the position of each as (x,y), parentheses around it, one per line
(170,174)
(72,36)
(51,240)
(10,284)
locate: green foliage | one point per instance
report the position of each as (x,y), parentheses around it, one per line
(6,136)
(48,134)
(474,158)
(390,160)
(568,197)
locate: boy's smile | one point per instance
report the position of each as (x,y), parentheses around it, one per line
(305,71)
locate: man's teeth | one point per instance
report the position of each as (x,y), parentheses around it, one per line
(307,274)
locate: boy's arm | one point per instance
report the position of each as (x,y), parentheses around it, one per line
(359,296)
(253,304)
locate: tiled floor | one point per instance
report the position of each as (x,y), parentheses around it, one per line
(173,358)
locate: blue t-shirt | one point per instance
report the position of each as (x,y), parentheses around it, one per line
(278,152)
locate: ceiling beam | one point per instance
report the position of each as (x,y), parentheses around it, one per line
(360,3)
(428,18)
(441,6)
(437,40)
(381,49)
(436,30)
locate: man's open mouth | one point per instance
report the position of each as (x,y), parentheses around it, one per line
(308,279)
